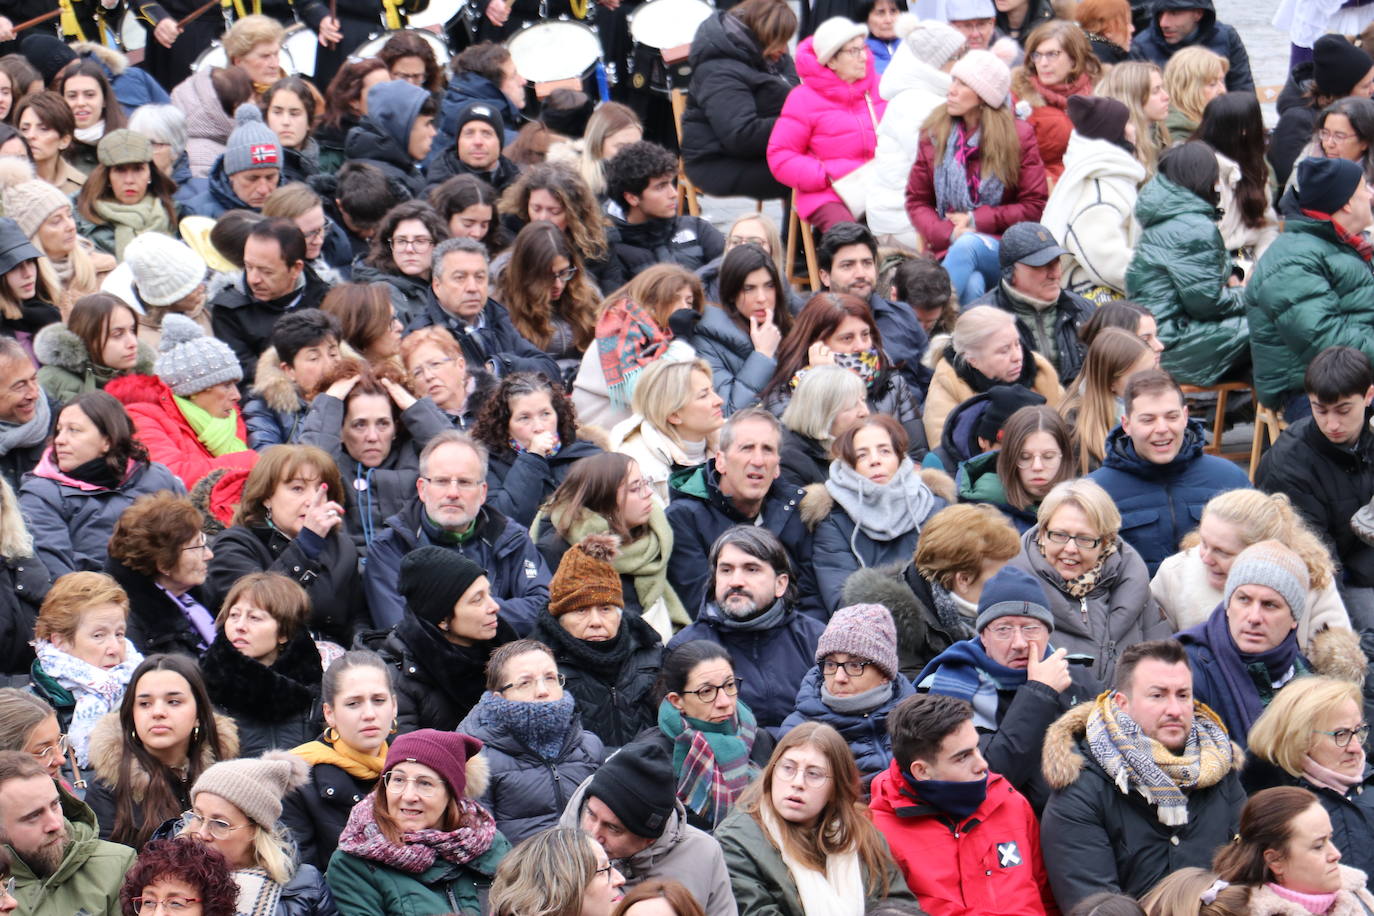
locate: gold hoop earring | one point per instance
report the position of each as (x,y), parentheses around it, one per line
(133,735)
(395,725)
(195,733)
(331,735)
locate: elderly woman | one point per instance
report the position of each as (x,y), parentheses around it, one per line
(165,128)
(290,521)
(1035,455)
(855,685)
(535,744)
(98,342)
(401,256)
(558,871)
(436,369)
(91,473)
(1095,583)
(235,806)
(253,44)
(125,195)
(179,876)
(827,402)
(677,414)
(828,127)
(420,842)
(263,669)
(1247,648)
(84,659)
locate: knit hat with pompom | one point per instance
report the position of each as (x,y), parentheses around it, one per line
(585,576)
(27,200)
(255,785)
(189,362)
(252,145)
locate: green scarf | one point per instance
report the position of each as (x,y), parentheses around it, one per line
(220,436)
(644,560)
(129,220)
(711,759)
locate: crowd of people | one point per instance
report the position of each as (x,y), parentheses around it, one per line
(409,507)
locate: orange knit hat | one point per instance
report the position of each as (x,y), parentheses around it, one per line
(585,576)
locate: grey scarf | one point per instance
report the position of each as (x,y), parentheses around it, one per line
(859,703)
(950,615)
(769,619)
(883,512)
(955,187)
(25,435)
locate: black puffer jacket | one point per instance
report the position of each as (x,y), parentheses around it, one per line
(1214,36)
(733,101)
(804,460)
(614,685)
(156,622)
(327,568)
(687,241)
(306,894)
(317,812)
(275,706)
(24,581)
(447,165)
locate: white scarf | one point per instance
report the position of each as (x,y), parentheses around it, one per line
(837,892)
(97,691)
(91,135)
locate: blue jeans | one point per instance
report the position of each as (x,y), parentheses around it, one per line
(971,263)
(1297,408)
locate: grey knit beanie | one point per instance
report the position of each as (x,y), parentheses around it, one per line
(1273,564)
(934,42)
(252,145)
(189,362)
(862,630)
(255,785)
(165,270)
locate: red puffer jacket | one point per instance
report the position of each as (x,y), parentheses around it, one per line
(989,863)
(169,438)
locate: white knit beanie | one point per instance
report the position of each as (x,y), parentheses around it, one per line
(189,362)
(833,34)
(933,42)
(165,270)
(964,10)
(985,74)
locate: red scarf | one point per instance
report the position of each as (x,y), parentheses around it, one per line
(1058,96)
(1353,239)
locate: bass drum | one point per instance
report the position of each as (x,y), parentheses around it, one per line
(662,31)
(435,16)
(297,53)
(132,35)
(374,43)
(556,54)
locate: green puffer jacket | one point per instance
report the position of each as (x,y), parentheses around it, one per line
(1179,272)
(1310,291)
(89,878)
(363,888)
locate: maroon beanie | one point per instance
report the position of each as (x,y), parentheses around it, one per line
(446,753)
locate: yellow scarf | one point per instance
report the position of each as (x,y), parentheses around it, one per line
(352,761)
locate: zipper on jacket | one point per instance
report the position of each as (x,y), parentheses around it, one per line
(1083,608)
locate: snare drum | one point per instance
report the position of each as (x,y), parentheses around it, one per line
(374,43)
(662,31)
(436,15)
(297,53)
(555,52)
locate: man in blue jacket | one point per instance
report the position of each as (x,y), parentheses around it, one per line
(752,613)
(1178,24)
(449,510)
(1155,470)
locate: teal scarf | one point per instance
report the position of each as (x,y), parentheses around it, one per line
(711,759)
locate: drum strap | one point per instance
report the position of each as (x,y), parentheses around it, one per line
(70,24)
(240,10)
(391,12)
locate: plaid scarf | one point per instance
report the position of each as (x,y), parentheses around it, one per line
(1082,585)
(418,849)
(627,340)
(1132,759)
(1355,240)
(711,759)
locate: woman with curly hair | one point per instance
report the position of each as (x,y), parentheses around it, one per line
(554,192)
(550,302)
(401,254)
(179,876)
(530,430)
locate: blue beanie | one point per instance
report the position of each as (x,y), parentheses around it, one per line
(1012,592)
(1326,185)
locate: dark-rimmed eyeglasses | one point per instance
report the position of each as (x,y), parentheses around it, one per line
(1342,736)
(708,693)
(1082,541)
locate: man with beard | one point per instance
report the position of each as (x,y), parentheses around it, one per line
(60,866)
(751,613)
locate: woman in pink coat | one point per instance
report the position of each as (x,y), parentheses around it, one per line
(829,124)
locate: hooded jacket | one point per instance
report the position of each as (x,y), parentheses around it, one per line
(978,482)
(89,877)
(274,706)
(207,125)
(382,137)
(1179,272)
(1210,34)
(1097,838)
(1091,211)
(68,369)
(913,89)
(989,862)
(1160,503)
(827,129)
(71,520)
(865,733)
(463,88)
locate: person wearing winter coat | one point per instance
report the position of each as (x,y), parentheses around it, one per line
(425,857)
(246,795)
(26,414)
(396,133)
(1059,65)
(249,169)
(914,85)
(97,342)
(1092,207)
(1035,452)
(647,230)
(1155,470)
(477,150)
(828,128)
(1178,24)
(950,819)
(94,470)
(485,75)
(24,581)
(1094,581)
(827,401)
(781,860)
(742,74)
(209,120)
(1338,70)
(1183,793)
(965,189)
(676,421)
(304,350)
(187,414)
(536,746)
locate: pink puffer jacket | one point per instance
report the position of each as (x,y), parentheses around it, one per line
(827,129)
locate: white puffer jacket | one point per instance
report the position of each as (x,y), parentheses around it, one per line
(1234,233)
(913,90)
(1092,212)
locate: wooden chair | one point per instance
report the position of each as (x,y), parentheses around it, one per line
(1222,391)
(796,226)
(686,191)
(1267,422)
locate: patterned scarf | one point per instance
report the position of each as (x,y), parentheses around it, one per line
(1132,759)
(362,837)
(519,449)
(1082,585)
(965,670)
(343,755)
(960,185)
(627,340)
(645,560)
(866,364)
(711,759)
(258,893)
(130,220)
(1355,240)
(97,691)
(542,727)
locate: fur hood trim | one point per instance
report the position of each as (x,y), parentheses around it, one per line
(107,747)
(478,773)
(300,769)
(1335,652)
(596,435)
(273,385)
(54,345)
(115,62)
(815,505)
(884,585)
(941,484)
(1062,763)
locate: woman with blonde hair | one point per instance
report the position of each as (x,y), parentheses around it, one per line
(677,415)
(611,127)
(1093,404)
(1059,65)
(560,872)
(1107,25)
(1188,585)
(827,402)
(799,839)
(253,44)
(1195,891)
(436,368)
(1139,85)
(1192,77)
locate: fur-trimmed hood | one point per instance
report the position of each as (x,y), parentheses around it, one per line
(1354,898)
(107,748)
(1335,652)
(114,61)
(274,386)
(55,345)
(1062,761)
(817,502)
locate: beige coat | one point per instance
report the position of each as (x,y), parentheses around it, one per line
(948,391)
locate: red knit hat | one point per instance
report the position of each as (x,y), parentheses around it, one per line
(446,753)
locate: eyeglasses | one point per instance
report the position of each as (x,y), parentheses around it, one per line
(416,245)
(61,747)
(217,828)
(565,274)
(1046,56)
(638,487)
(1082,540)
(708,693)
(814,777)
(856,53)
(444,483)
(851,667)
(736,240)
(1005,631)
(423,785)
(319,233)
(527,685)
(606,870)
(203,545)
(1339,136)
(167,904)
(430,368)
(1342,736)
(1047,459)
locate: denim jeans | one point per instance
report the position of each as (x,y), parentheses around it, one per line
(971,263)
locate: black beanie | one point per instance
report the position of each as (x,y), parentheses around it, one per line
(637,784)
(1337,65)
(1326,185)
(433,579)
(483,111)
(48,54)
(1003,401)
(566,111)
(1098,118)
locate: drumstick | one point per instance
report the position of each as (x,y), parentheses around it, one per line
(37,20)
(334,10)
(198,13)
